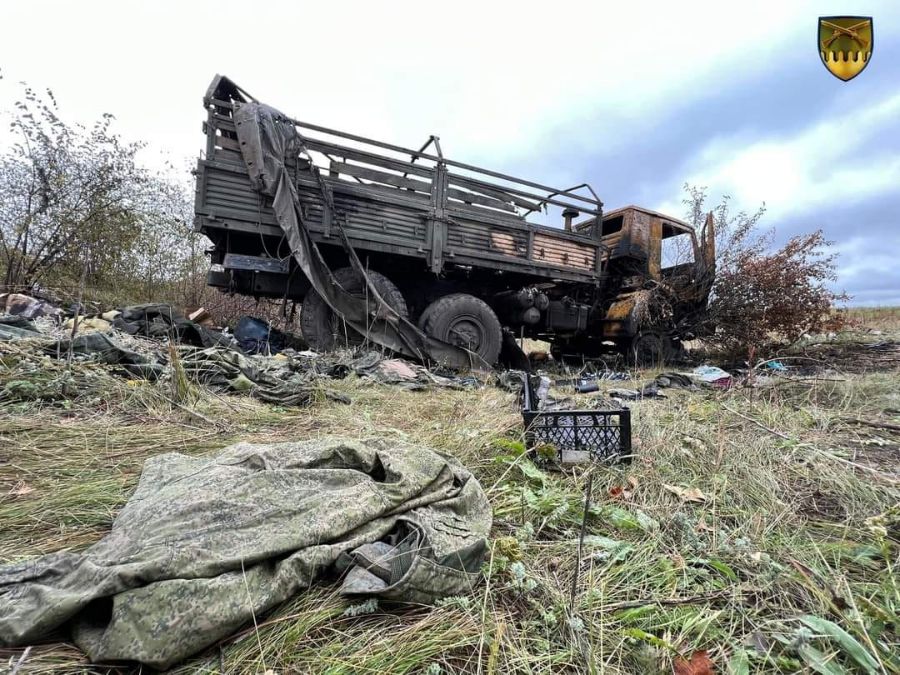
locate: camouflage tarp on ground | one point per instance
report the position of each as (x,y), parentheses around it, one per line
(204,544)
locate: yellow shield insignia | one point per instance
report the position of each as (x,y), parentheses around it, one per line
(845,44)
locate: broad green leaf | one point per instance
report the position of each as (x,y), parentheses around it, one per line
(617,550)
(739,663)
(719,566)
(531,472)
(819,662)
(846,641)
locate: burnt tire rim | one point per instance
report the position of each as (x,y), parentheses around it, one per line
(466,331)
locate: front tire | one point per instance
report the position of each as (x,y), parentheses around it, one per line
(465,321)
(324,330)
(648,350)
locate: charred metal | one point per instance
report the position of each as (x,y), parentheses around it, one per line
(438,231)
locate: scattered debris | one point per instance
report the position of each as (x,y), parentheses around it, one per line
(587,386)
(624,394)
(282,381)
(82,324)
(255,336)
(163,321)
(14,327)
(101,348)
(202,316)
(133,340)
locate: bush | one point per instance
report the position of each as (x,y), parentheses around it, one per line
(761,298)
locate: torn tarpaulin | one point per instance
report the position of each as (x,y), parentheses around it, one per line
(206,544)
(267,140)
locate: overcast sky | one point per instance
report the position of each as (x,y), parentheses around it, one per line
(635,98)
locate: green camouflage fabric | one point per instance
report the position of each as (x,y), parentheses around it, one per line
(206,544)
(271,379)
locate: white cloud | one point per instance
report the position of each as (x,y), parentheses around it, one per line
(820,165)
(489,77)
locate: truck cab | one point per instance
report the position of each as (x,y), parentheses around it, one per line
(652,259)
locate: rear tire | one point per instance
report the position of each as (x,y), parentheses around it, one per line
(465,321)
(324,330)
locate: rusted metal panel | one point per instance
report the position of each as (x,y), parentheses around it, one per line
(394,220)
(618,320)
(556,251)
(654,247)
(473,238)
(413,207)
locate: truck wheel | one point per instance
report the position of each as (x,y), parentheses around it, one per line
(324,330)
(648,349)
(677,352)
(465,321)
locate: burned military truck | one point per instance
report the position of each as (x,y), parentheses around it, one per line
(431,257)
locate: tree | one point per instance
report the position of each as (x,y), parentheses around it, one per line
(68,193)
(762,297)
(77,204)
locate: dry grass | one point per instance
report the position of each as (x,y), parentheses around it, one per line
(876,318)
(798,517)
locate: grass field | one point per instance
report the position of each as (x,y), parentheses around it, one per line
(757,528)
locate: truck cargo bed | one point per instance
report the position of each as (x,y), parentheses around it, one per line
(394,201)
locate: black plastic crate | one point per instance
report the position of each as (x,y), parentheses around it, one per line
(603,435)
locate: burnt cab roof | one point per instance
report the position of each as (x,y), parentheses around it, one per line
(671,226)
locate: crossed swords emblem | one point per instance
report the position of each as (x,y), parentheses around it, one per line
(850,31)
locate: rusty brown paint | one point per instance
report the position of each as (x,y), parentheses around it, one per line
(503,242)
(615,323)
(654,248)
(564,252)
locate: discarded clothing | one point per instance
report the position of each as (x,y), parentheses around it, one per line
(255,336)
(162,321)
(19,304)
(674,380)
(206,544)
(274,380)
(714,376)
(624,394)
(14,327)
(406,375)
(103,349)
(86,325)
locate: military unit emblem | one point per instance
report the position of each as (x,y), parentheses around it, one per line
(845,44)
